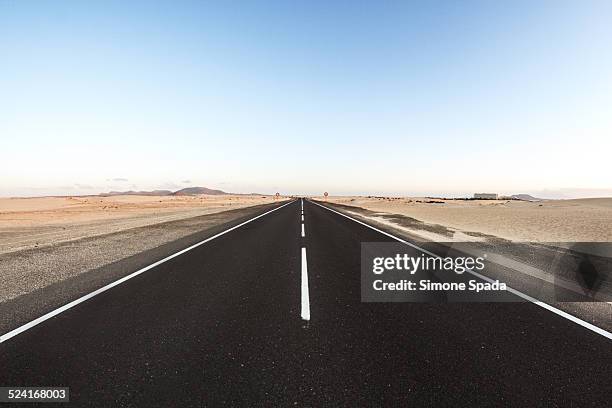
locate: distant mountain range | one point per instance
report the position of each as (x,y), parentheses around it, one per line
(181,192)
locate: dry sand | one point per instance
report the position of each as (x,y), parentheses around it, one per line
(581,220)
(41,221)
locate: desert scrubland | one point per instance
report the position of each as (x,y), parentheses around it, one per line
(41,221)
(580,220)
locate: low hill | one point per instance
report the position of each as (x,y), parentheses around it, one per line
(181,192)
(198,190)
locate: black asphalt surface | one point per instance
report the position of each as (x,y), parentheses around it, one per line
(220,325)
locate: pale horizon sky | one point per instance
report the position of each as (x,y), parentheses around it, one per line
(436,98)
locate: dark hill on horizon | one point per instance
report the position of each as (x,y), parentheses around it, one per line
(181,192)
(198,190)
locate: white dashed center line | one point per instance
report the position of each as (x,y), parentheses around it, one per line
(305,313)
(305,295)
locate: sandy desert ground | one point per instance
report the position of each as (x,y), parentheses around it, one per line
(581,220)
(41,221)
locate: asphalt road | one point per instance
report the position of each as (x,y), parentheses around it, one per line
(221,324)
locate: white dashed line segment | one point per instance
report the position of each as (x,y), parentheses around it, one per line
(305,295)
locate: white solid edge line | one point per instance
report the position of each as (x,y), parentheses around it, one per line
(303,234)
(533,300)
(305,294)
(82,299)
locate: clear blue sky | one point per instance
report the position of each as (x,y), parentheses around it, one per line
(436,97)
